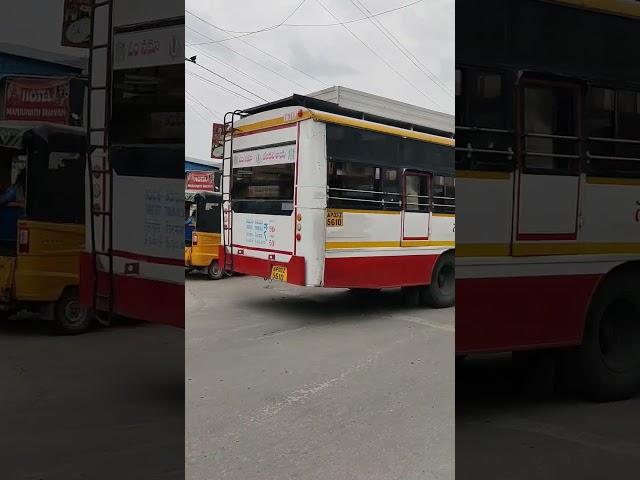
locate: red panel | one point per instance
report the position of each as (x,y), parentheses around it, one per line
(259,267)
(504,314)
(143,299)
(379,272)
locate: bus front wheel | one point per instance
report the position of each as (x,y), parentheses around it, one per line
(607,364)
(441,292)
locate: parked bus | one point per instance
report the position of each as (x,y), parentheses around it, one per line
(134,265)
(315,194)
(548,170)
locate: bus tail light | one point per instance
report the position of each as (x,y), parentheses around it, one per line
(194,238)
(23,240)
(298,236)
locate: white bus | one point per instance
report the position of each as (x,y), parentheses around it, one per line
(133,265)
(315,194)
(548,169)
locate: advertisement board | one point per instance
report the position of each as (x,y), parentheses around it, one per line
(43,100)
(76,23)
(217,140)
(149,47)
(201,182)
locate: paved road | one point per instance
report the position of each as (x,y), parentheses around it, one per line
(507,428)
(293,383)
(105,405)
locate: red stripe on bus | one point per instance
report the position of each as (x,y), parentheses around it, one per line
(257,249)
(153,301)
(148,258)
(505,314)
(379,272)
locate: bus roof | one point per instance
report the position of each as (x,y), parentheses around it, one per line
(624,8)
(386,112)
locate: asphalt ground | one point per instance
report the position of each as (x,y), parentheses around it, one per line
(287,382)
(514,423)
(108,404)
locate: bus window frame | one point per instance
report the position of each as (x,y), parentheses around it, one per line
(577,87)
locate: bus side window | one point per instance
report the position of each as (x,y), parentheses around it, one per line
(352,185)
(443,190)
(614,133)
(390,185)
(416,193)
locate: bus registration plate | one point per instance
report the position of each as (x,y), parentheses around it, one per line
(279,273)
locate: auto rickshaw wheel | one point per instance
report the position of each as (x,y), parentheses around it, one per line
(70,315)
(214,272)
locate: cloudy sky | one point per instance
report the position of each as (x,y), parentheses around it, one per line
(304,58)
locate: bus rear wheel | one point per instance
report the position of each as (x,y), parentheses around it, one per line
(607,364)
(214,272)
(70,315)
(441,292)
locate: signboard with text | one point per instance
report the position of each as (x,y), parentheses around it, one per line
(42,100)
(151,47)
(201,182)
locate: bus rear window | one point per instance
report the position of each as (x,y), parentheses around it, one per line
(266,189)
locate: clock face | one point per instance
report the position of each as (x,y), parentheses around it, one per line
(78,32)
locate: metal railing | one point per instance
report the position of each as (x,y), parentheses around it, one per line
(430,205)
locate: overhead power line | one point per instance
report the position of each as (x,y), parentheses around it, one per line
(275,72)
(195,110)
(240,34)
(404,50)
(424,94)
(241,72)
(212,112)
(227,80)
(257,49)
(204,79)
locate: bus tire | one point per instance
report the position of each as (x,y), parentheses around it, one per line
(70,315)
(607,364)
(214,272)
(441,292)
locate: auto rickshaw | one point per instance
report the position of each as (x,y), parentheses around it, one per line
(202,233)
(42,176)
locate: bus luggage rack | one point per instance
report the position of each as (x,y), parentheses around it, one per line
(225,188)
(98,155)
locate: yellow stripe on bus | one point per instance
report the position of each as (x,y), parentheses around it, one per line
(374,212)
(482,175)
(348,121)
(612,181)
(378,127)
(398,244)
(383,212)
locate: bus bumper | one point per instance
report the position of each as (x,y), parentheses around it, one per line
(260,267)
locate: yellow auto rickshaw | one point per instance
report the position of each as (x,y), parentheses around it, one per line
(42,168)
(202,233)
